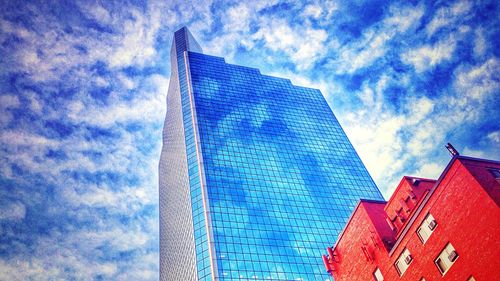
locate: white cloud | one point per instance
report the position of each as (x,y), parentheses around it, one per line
(238,18)
(121,239)
(101,81)
(421,126)
(494,136)
(423,136)
(80,251)
(374,42)
(25,270)
(49,53)
(313,11)
(430,171)
(480,44)
(378,142)
(303,44)
(372,48)
(125,200)
(448,16)
(128,83)
(226,45)
(375,133)
(22,138)
(143,269)
(301,80)
(321,11)
(428,56)
(9,101)
(403,18)
(236,21)
(12,211)
(419,109)
(96,12)
(330,7)
(36,104)
(475,153)
(387,141)
(5,118)
(137,44)
(146,106)
(473,82)
(461,8)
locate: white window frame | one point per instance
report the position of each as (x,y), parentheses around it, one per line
(402,263)
(443,262)
(425,230)
(377,274)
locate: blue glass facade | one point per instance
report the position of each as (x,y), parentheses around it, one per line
(272,176)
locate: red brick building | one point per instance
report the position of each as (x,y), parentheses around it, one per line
(445,229)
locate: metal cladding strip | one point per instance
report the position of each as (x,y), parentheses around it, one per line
(201,171)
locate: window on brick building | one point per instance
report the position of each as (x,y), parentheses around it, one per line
(495,173)
(426,228)
(378,275)
(403,262)
(446,258)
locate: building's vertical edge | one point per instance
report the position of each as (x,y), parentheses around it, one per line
(201,170)
(177,242)
(363,166)
(192,45)
(202,253)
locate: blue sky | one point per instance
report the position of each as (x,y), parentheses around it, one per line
(82,102)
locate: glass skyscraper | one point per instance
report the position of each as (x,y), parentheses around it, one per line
(257,176)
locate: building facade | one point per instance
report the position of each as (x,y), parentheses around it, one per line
(250,166)
(445,229)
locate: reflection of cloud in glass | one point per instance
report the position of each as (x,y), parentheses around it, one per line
(276,163)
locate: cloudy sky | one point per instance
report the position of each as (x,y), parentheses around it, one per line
(82,101)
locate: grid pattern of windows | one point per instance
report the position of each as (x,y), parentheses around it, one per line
(282,177)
